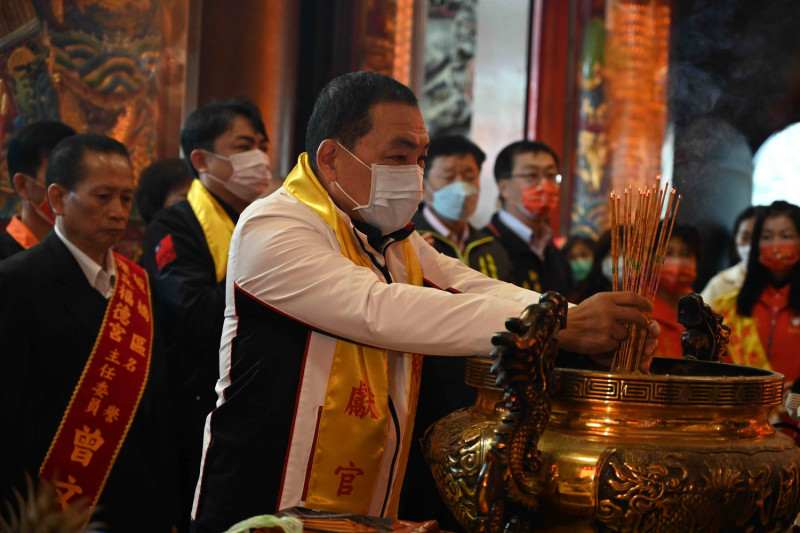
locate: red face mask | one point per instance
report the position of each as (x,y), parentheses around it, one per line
(46,213)
(540,199)
(43,209)
(779,256)
(677,275)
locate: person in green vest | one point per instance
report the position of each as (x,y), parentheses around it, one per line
(451,190)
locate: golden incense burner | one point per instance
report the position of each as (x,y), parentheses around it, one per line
(685,448)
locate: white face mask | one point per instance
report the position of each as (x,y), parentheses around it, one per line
(395,194)
(744,252)
(251,174)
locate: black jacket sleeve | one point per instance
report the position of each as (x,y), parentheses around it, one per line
(184,279)
(15,361)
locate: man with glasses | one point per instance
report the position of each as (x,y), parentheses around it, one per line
(528,179)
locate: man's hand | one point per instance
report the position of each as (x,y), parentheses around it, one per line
(599,324)
(650,343)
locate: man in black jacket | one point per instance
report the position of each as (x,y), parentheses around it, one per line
(527,176)
(78,361)
(186,254)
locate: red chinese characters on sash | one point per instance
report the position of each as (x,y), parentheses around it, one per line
(107,395)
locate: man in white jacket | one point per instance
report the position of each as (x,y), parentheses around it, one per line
(331,296)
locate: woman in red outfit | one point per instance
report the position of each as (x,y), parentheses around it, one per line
(764,316)
(677,276)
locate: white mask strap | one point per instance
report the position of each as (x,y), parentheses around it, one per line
(218,156)
(212,177)
(354,157)
(356,204)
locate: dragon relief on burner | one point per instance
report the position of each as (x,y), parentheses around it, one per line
(525,360)
(706,337)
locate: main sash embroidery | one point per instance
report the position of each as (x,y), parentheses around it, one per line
(354,425)
(105,400)
(217,225)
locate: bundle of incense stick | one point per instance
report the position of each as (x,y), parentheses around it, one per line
(645,236)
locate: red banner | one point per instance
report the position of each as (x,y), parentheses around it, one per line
(105,400)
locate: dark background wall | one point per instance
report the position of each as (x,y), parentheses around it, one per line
(326,36)
(249,50)
(735,79)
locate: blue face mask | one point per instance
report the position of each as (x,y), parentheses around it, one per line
(455,201)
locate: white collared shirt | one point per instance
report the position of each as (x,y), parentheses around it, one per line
(443,230)
(99,278)
(537,243)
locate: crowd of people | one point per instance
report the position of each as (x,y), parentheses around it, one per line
(266,351)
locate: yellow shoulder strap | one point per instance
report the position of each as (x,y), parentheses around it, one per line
(217,225)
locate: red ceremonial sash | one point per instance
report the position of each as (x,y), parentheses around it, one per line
(104,402)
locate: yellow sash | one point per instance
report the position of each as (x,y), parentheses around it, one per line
(745,347)
(217,225)
(107,395)
(354,425)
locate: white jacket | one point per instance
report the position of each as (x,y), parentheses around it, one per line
(727,281)
(285,269)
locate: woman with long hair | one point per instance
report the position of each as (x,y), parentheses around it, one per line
(764,315)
